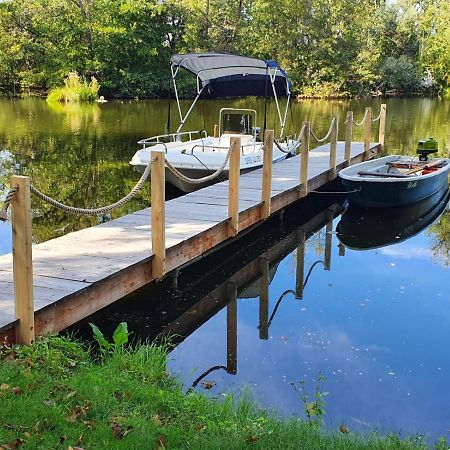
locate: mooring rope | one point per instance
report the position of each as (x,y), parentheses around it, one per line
(358,124)
(95,211)
(326,136)
(186,179)
(377,118)
(7,202)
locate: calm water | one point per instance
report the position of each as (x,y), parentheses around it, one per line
(376,325)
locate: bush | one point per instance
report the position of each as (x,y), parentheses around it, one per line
(400,74)
(76,89)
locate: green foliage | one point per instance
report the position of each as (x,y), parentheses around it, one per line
(120,338)
(127,401)
(75,90)
(400,74)
(315,408)
(330,48)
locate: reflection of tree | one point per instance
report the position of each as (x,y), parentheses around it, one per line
(75,166)
(441,236)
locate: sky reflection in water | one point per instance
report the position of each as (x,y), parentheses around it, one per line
(376,326)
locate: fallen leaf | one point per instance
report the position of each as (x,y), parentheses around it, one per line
(161,442)
(199,427)
(208,384)
(13,445)
(157,420)
(4,387)
(80,439)
(251,438)
(120,432)
(16,390)
(71,394)
(74,448)
(343,429)
(48,403)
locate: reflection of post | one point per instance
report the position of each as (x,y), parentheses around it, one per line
(216,130)
(232,329)
(264,299)
(328,240)
(341,249)
(300,270)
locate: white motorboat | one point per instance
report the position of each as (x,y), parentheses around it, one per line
(195,154)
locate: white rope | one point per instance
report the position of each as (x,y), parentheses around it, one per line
(186,179)
(326,136)
(377,118)
(358,124)
(95,211)
(7,202)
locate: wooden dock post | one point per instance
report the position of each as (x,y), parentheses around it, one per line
(333,147)
(232,328)
(233,186)
(266,193)
(304,158)
(341,249)
(348,137)
(158,214)
(367,132)
(22,260)
(264,299)
(328,240)
(216,130)
(300,269)
(382,129)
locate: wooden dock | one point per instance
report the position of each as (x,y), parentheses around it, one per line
(84,271)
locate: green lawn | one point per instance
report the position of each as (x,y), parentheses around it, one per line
(57,395)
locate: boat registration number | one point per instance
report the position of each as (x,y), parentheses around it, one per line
(253,159)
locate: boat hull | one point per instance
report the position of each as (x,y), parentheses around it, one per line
(364,229)
(386,193)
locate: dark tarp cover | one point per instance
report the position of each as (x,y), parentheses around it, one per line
(226,75)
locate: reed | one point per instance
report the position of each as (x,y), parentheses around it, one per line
(76,89)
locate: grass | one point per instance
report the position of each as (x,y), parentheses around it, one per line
(57,394)
(75,90)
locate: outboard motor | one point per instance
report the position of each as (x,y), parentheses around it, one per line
(426,147)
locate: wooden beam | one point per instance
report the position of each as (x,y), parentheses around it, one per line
(233,186)
(158,214)
(367,132)
(216,130)
(232,328)
(264,299)
(382,129)
(22,260)
(300,266)
(348,137)
(266,192)
(341,249)
(333,148)
(328,240)
(304,157)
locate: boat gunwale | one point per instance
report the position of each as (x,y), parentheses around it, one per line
(371,164)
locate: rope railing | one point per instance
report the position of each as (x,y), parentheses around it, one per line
(95,211)
(7,203)
(358,124)
(211,177)
(327,135)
